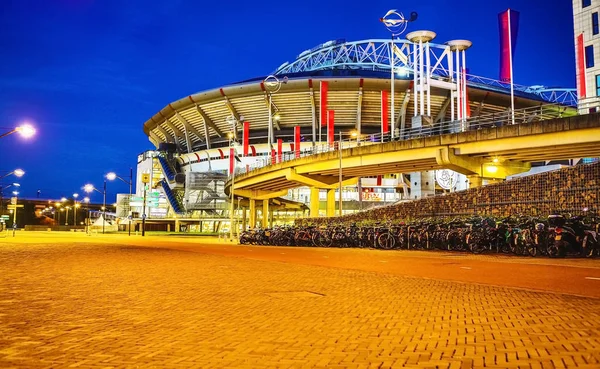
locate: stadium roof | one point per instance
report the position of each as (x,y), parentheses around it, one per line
(357,73)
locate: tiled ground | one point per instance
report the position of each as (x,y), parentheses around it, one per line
(104,305)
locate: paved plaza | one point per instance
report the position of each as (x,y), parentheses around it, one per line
(118,302)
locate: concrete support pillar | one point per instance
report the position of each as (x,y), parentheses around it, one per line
(265,214)
(314,202)
(331,203)
(252,213)
(422,184)
(244,222)
(177,225)
(475,181)
(271,217)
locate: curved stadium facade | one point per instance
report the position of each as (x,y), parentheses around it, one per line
(193,135)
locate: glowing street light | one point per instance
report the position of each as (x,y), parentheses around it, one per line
(25,130)
(75,206)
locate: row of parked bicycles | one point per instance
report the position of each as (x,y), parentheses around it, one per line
(557,235)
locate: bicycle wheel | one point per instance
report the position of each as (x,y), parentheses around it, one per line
(386,241)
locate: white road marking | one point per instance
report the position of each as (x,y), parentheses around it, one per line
(283,253)
(383,261)
(465,267)
(594,278)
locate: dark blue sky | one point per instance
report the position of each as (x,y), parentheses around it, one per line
(89,73)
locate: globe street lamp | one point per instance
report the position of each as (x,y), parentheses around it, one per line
(25,130)
(232,161)
(89,188)
(111,177)
(15,193)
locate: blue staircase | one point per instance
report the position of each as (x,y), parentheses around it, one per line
(174,200)
(166,167)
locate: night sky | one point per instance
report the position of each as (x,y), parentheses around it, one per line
(89,73)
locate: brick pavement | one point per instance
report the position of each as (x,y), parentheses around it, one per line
(93,305)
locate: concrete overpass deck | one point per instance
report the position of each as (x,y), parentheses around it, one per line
(493,153)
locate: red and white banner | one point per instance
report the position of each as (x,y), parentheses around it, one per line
(323,103)
(385,126)
(279,150)
(297,141)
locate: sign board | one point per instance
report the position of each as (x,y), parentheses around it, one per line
(12,207)
(145,177)
(446,179)
(5,216)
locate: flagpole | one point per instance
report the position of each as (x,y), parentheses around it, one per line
(392,87)
(512,89)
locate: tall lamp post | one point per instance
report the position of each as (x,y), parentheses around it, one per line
(231,207)
(87,223)
(16,193)
(272,85)
(89,188)
(111,177)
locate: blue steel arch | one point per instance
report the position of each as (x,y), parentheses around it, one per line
(374,55)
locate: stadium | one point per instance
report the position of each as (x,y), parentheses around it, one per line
(336,90)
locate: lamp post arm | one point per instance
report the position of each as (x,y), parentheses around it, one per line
(8,133)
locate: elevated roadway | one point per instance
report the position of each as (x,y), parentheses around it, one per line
(492,153)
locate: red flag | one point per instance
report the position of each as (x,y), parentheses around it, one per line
(385,128)
(330,132)
(580,67)
(467,113)
(231,160)
(323,102)
(246,137)
(508,23)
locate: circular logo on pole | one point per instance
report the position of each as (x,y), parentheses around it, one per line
(446,178)
(272,84)
(395,22)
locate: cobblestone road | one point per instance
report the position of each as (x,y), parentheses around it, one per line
(102,305)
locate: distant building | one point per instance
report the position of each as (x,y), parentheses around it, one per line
(586,22)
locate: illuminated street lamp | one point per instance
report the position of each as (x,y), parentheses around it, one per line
(67,215)
(87,201)
(75,206)
(25,130)
(89,188)
(111,177)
